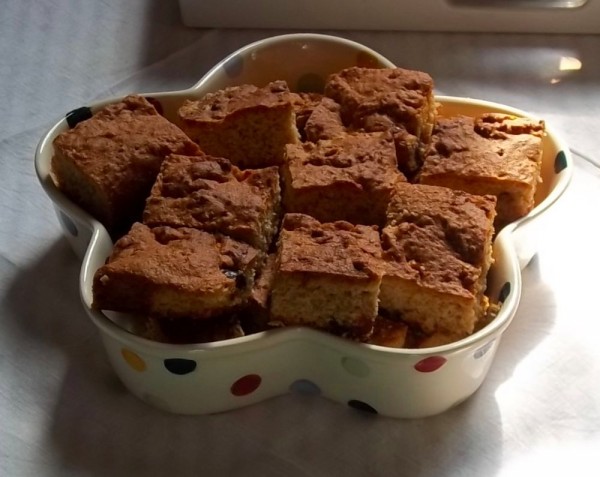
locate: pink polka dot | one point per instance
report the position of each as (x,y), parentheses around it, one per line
(246,385)
(430,364)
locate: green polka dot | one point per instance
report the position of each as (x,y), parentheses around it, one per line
(355,367)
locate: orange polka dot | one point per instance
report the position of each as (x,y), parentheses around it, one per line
(133,360)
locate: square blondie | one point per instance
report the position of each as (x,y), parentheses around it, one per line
(495,154)
(248,125)
(378,99)
(437,249)
(210,194)
(175,273)
(327,276)
(108,163)
(349,177)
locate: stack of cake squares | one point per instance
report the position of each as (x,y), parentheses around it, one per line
(360,211)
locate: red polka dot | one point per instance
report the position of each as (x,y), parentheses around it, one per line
(246,385)
(430,364)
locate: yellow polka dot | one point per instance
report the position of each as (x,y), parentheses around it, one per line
(133,360)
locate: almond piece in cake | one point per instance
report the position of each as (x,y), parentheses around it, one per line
(175,273)
(437,249)
(349,177)
(248,125)
(327,276)
(493,154)
(210,194)
(108,163)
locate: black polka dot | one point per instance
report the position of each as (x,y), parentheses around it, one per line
(77,115)
(362,406)
(180,366)
(560,162)
(504,292)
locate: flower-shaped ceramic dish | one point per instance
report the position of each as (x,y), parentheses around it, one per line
(218,376)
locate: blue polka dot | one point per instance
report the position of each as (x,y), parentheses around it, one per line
(68,224)
(304,386)
(362,406)
(180,366)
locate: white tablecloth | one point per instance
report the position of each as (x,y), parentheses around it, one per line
(62,410)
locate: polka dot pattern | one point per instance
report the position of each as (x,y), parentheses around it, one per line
(77,115)
(180,366)
(504,292)
(560,162)
(246,385)
(68,224)
(430,364)
(362,406)
(134,360)
(356,367)
(306,387)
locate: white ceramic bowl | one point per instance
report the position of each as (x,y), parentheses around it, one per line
(214,377)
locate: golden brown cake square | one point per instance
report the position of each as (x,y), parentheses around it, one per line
(436,253)
(378,99)
(175,273)
(248,125)
(349,177)
(108,163)
(211,194)
(327,276)
(493,154)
